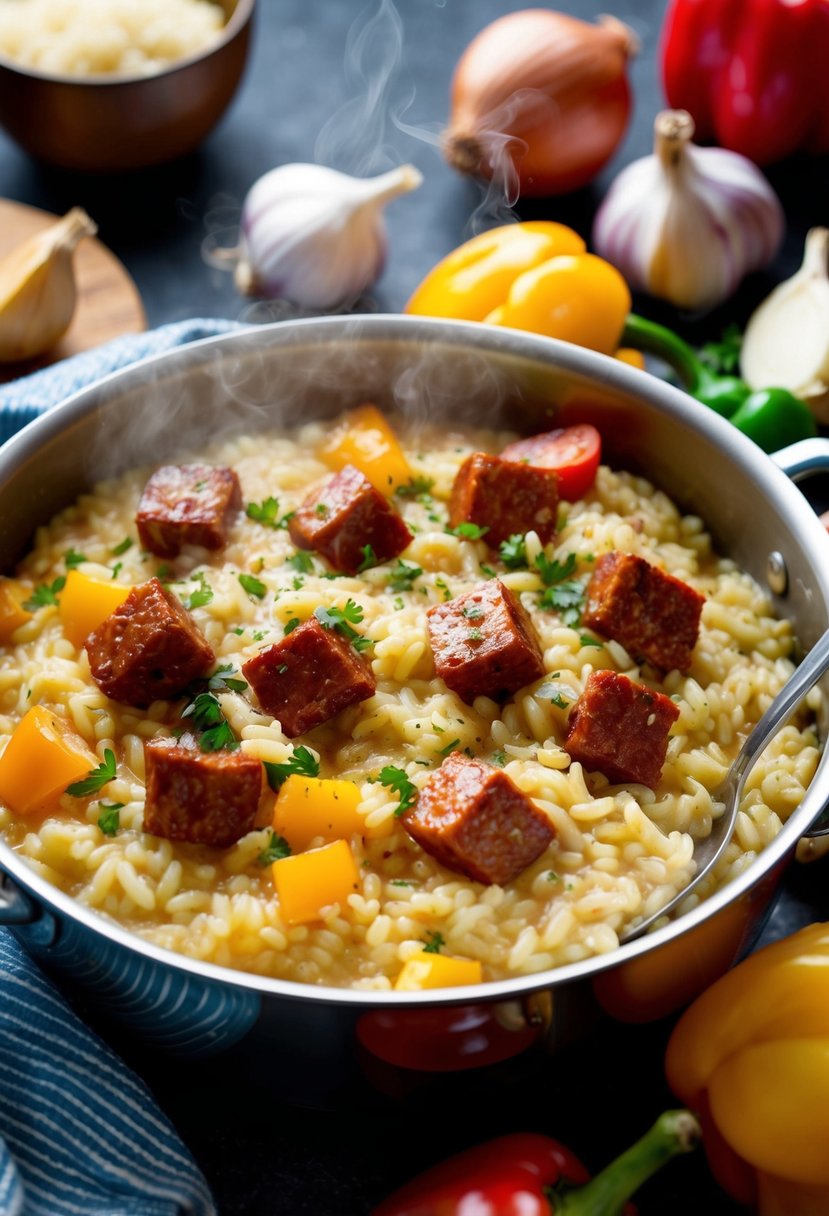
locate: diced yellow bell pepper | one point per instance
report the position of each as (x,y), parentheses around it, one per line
(306,807)
(85,603)
(366,440)
(308,882)
(426,970)
(41,759)
(12,613)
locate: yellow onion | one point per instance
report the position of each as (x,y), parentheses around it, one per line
(540,101)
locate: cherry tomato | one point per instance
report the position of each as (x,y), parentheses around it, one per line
(573,451)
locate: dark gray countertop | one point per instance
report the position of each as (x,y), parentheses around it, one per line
(314,63)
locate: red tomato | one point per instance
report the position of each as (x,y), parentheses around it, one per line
(573,451)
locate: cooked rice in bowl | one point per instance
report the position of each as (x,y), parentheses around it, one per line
(619,852)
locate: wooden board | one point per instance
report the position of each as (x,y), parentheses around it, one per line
(108,301)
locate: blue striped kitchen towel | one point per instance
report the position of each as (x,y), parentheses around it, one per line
(24,399)
(80,1134)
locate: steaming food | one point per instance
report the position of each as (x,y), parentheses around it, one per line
(373,856)
(106,37)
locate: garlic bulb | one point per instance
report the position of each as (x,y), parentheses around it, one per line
(315,236)
(687,223)
(37,288)
(786,341)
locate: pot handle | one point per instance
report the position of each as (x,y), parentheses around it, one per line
(16,908)
(803,459)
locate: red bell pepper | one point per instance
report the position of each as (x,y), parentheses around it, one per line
(751,73)
(532,1175)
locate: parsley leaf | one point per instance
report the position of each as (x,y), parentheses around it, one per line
(450,747)
(253,586)
(216,733)
(567,598)
(342,619)
(301,764)
(265,512)
(276,848)
(201,596)
(499,758)
(555,571)
(415,486)
(369,559)
(74,559)
(513,551)
(291,625)
(403,575)
(301,561)
(125,544)
(46,593)
(109,820)
(558,700)
(586,640)
(96,778)
(468,531)
(434,943)
(396,779)
(473,612)
(224,680)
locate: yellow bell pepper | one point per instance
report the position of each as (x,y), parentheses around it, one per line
(311,881)
(41,759)
(85,603)
(752,1055)
(427,970)
(366,440)
(306,807)
(12,612)
(534,276)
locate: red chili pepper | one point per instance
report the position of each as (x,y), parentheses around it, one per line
(532,1175)
(751,73)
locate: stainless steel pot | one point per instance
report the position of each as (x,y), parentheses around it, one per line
(282,373)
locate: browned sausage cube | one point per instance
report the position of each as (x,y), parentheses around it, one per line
(654,615)
(621,729)
(474,819)
(484,643)
(345,515)
(148,649)
(187,504)
(504,497)
(202,797)
(309,677)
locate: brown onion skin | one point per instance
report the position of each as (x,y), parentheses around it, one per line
(548,132)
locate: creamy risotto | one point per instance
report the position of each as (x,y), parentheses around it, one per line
(111,37)
(619,851)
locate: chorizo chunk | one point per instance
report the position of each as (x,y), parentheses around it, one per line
(654,615)
(202,797)
(308,677)
(621,728)
(504,497)
(149,648)
(484,643)
(474,819)
(345,515)
(187,504)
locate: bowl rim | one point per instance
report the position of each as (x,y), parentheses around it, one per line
(239,18)
(769,479)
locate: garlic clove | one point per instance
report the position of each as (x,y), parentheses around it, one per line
(687,223)
(37,288)
(315,236)
(786,341)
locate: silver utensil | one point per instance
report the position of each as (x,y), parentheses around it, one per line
(707,852)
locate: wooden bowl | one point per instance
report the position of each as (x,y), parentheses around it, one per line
(103,124)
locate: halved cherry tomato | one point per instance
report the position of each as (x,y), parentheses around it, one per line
(573,451)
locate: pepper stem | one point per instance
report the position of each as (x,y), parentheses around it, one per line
(675,1131)
(657,340)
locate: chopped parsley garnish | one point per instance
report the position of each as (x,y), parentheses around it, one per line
(116,569)
(216,733)
(109,820)
(513,551)
(563,593)
(201,596)
(403,575)
(342,619)
(551,876)
(475,635)
(398,603)
(473,612)
(301,561)
(322,510)
(125,544)
(444,589)
(224,679)
(554,571)
(499,758)
(74,559)
(253,586)
(276,848)
(301,764)
(265,512)
(415,486)
(586,640)
(163,572)
(558,700)
(96,778)
(291,625)
(45,594)
(468,531)
(400,882)
(434,943)
(487,570)
(396,780)
(450,747)
(369,559)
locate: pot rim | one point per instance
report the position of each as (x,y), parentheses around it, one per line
(769,480)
